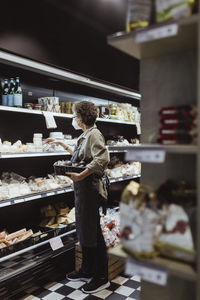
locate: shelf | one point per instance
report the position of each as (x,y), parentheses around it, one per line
(61,115)
(32,154)
(116,121)
(181,149)
(118,179)
(4,258)
(34,196)
(176,268)
(63,74)
(152,42)
(111,149)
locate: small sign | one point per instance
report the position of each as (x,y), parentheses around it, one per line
(147,271)
(157,33)
(56,243)
(147,155)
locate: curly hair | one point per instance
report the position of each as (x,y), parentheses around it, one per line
(86,111)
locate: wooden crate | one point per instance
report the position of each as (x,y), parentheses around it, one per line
(115,266)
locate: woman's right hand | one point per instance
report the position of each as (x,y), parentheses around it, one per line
(52,141)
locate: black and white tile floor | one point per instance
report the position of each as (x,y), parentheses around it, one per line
(121,288)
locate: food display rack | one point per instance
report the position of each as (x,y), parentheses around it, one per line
(170,73)
(21,123)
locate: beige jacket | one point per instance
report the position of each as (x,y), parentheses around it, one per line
(93,154)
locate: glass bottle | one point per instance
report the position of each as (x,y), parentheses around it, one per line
(5,89)
(11,92)
(17,94)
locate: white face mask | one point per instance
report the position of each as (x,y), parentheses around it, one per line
(75,124)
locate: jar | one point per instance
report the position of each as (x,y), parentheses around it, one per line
(113,109)
(38,107)
(28,105)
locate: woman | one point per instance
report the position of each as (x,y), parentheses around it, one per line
(89,190)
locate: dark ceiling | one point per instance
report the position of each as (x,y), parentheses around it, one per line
(71,34)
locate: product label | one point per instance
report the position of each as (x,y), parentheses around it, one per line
(148,272)
(4,100)
(148,155)
(18,100)
(157,33)
(10,100)
(56,243)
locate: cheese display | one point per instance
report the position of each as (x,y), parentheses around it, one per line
(57,215)
(13,185)
(117,168)
(7,239)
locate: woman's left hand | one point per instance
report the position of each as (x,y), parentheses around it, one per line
(74,176)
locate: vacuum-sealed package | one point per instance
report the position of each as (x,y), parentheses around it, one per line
(138,222)
(173,9)
(139,14)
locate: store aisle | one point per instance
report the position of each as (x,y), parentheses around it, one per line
(121,288)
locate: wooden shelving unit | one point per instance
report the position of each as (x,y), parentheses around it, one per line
(170,74)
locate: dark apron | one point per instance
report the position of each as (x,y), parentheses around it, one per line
(87,203)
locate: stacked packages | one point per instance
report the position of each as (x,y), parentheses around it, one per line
(157,222)
(178,125)
(110,225)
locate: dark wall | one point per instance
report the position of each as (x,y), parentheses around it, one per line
(71,34)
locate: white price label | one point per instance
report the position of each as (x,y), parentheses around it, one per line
(56,243)
(138,128)
(148,155)
(18,201)
(50,194)
(157,33)
(60,192)
(155,274)
(32,198)
(5,204)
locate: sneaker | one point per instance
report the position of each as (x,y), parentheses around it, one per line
(77,276)
(95,285)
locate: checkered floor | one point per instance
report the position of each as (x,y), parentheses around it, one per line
(121,288)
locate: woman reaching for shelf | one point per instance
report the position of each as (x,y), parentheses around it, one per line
(89,191)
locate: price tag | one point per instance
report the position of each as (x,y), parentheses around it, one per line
(148,155)
(5,204)
(60,192)
(32,198)
(18,201)
(147,271)
(56,243)
(138,128)
(50,194)
(157,33)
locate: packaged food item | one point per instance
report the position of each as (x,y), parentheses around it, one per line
(139,14)
(176,238)
(173,9)
(178,125)
(156,222)
(137,221)
(37,107)
(28,105)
